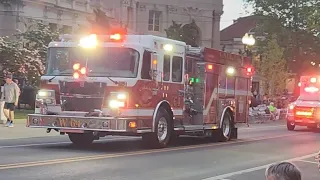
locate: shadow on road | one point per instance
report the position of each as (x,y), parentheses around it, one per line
(123,145)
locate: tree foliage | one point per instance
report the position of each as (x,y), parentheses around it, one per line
(38,38)
(272,66)
(296,26)
(14,58)
(188,33)
(26,55)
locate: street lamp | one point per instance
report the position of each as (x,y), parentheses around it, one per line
(248,40)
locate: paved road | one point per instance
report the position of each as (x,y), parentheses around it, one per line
(119,158)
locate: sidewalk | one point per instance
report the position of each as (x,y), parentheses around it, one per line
(21,131)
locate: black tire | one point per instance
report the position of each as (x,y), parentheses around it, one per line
(290,127)
(151,139)
(227,120)
(81,139)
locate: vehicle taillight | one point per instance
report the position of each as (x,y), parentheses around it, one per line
(304,112)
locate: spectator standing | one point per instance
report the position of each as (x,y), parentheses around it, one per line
(11,93)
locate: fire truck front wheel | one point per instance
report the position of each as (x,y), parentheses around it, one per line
(290,126)
(163,130)
(81,139)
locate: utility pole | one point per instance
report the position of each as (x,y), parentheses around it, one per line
(213,21)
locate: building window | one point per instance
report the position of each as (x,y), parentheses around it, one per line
(53,26)
(154,20)
(67,29)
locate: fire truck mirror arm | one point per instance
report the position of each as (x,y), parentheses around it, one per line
(164,104)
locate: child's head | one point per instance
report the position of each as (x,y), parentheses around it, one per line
(283,171)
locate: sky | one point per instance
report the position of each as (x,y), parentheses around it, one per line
(233,9)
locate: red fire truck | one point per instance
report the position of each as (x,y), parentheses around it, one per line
(305,111)
(142,85)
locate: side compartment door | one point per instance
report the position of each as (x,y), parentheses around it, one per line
(241,104)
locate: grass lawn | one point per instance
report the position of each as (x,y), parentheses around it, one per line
(22,113)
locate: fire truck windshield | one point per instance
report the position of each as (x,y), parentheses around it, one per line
(107,61)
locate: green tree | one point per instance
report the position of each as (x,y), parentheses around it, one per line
(188,33)
(296,24)
(38,38)
(14,58)
(35,41)
(273,67)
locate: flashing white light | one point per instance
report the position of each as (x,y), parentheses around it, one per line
(115,104)
(291,106)
(89,42)
(168,47)
(313,80)
(230,70)
(121,96)
(311,89)
(43,93)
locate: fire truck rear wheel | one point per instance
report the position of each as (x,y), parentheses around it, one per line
(226,127)
(163,130)
(81,139)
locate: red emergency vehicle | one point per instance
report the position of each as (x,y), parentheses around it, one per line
(305,111)
(144,85)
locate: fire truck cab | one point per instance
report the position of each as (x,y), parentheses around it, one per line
(305,111)
(141,85)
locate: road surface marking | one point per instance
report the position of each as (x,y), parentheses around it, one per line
(135,153)
(223,176)
(306,161)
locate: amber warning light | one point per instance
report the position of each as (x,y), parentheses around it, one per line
(79,71)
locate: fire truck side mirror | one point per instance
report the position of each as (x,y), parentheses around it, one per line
(154,66)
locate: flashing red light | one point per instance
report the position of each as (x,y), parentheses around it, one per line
(83,70)
(249,70)
(210,66)
(76,75)
(116,36)
(76,66)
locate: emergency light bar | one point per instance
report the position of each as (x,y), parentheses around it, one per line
(101,38)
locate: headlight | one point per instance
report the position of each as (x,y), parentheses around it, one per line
(117,100)
(47,96)
(121,96)
(291,106)
(44,93)
(116,104)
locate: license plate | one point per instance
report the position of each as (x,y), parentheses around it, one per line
(69,122)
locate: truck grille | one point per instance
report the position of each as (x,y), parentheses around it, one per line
(83,88)
(80,104)
(81,96)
